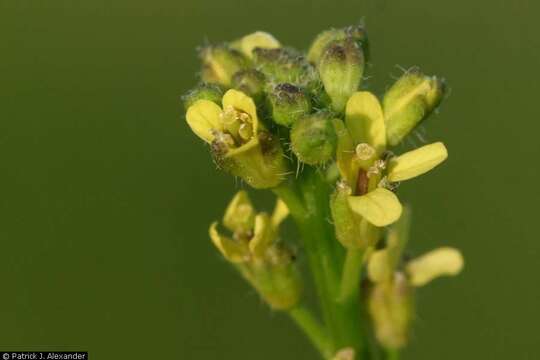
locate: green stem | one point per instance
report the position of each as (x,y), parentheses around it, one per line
(350,279)
(309,207)
(392,354)
(289,194)
(302,203)
(313,330)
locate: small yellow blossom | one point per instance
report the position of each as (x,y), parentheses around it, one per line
(391,302)
(256,252)
(239,142)
(362,163)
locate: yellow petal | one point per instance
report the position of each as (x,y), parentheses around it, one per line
(203,117)
(344,152)
(379,268)
(416,162)
(383,263)
(240,214)
(258,39)
(263,235)
(232,250)
(380,207)
(365,120)
(281,211)
(439,262)
(242,102)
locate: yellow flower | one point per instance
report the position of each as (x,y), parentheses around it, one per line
(254,249)
(391,299)
(362,162)
(239,142)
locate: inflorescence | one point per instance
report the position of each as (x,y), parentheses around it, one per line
(301,125)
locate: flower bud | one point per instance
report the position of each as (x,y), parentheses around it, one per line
(288,104)
(281,65)
(314,139)
(321,42)
(359,34)
(341,68)
(258,39)
(211,92)
(219,63)
(391,306)
(250,82)
(410,100)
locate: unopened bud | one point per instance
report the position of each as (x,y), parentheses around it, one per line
(359,34)
(341,68)
(288,104)
(321,42)
(250,82)
(314,139)
(220,63)
(409,101)
(283,65)
(211,92)
(258,39)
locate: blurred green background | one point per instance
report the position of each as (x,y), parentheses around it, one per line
(106,195)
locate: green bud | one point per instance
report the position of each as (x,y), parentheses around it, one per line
(341,68)
(282,65)
(352,230)
(288,104)
(391,306)
(211,92)
(409,101)
(219,63)
(359,34)
(250,82)
(314,139)
(321,42)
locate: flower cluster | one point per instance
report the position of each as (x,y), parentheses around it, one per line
(254,248)
(303,126)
